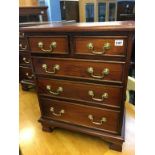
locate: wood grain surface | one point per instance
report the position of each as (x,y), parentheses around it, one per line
(78,68)
(75,115)
(78,114)
(79,91)
(83,27)
(61,44)
(62,142)
(81,43)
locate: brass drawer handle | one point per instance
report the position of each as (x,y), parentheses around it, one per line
(103,120)
(23,48)
(58,91)
(55,68)
(90,70)
(104,96)
(29,76)
(106,46)
(25,60)
(55,114)
(21,34)
(52,46)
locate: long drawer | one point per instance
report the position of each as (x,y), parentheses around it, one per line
(92,117)
(84,69)
(100,45)
(92,93)
(49,44)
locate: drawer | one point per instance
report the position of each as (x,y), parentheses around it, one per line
(23,45)
(92,93)
(26,73)
(92,117)
(24,59)
(21,35)
(54,44)
(84,69)
(104,46)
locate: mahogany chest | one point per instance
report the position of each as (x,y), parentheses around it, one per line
(26,76)
(81,74)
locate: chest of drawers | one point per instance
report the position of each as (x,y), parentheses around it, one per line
(81,75)
(26,76)
(27,17)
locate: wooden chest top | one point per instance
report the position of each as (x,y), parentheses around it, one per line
(77,27)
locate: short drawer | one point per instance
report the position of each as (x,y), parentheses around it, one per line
(23,45)
(103,46)
(26,73)
(24,59)
(92,117)
(54,44)
(21,34)
(84,69)
(91,93)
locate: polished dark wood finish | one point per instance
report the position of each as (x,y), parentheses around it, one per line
(114,140)
(24,54)
(118,26)
(23,45)
(72,110)
(75,68)
(26,76)
(24,59)
(26,73)
(79,91)
(61,44)
(70,107)
(81,45)
(28,16)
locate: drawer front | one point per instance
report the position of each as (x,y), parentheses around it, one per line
(55,44)
(26,73)
(101,119)
(23,45)
(91,70)
(21,34)
(104,46)
(24,59)
(92,93)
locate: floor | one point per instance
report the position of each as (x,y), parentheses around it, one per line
(33,141)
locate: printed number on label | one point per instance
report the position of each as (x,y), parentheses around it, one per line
(118,42)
